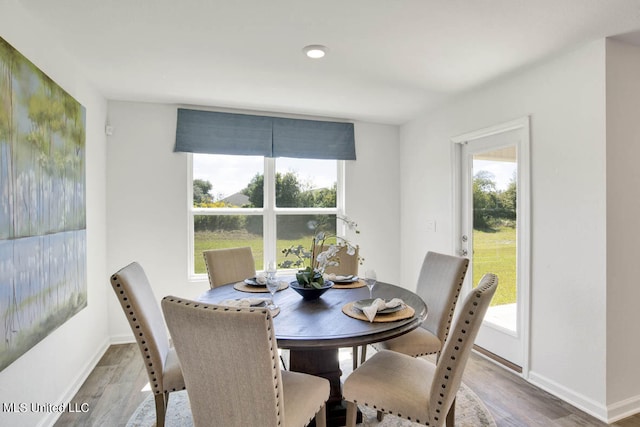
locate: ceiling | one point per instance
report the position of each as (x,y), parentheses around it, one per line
(388,60)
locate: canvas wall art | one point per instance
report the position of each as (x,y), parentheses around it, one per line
(43,273)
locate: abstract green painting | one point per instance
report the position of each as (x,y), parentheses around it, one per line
(43,273)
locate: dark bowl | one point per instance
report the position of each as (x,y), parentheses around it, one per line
(310,293)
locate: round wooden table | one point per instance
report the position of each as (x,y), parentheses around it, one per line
(313,331)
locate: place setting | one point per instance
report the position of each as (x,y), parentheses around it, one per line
(348,281)
(377,309)
(252,303)
(258,284)
(265,282)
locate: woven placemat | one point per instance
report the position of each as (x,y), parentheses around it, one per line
(243,287)
(358,284)
(405,313)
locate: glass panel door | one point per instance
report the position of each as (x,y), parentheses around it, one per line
(494,230)
(493,193)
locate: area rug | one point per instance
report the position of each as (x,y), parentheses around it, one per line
(470,412)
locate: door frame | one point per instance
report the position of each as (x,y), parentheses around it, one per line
(523,214)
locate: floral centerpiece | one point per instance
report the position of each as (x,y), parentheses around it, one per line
(314,260)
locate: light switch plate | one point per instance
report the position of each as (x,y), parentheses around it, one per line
(431,225)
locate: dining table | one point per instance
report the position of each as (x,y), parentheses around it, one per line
(314,330)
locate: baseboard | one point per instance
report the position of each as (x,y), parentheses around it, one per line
(609,414)
(497,359)
(581,402)
(122,339)
(623,409)
(51,418)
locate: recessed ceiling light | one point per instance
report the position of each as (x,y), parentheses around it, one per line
(315,51)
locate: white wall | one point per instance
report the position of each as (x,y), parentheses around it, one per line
(147,201)
(565,98)
(54,369)
(373,199)
(623,234)
(580,346)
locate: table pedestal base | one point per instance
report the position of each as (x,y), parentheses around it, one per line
(326,364)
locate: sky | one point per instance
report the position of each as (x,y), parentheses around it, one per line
(231,174)
(502,171)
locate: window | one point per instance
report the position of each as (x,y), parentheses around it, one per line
(266,203)
(247,191)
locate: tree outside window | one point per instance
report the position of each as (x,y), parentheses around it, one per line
(229,207)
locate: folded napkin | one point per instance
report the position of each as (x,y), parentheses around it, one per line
(243,302)
(335,277)
(261,278)
(379,304)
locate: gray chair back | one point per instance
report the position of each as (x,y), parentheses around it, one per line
(229,265)
(457,348)
(230,362)
(348,263)
(142,310)
(439,284)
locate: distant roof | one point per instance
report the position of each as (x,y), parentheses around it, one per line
(237,199)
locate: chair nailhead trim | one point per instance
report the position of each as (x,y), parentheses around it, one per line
(141,341)
(267,327)
(455,300)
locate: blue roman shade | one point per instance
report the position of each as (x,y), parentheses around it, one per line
(223,133)
(313,139)
(243,134)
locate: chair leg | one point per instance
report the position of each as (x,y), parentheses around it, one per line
(321,417)
(161,408)
(451,415)
(284,359)
(379,415)
(354,356)
(363,356)
(352,413)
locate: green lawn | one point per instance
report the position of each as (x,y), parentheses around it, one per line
(218,240)
(495,252)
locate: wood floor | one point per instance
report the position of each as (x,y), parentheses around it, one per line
(115,389)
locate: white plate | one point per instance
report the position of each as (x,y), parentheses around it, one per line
(351,280)
(252,282)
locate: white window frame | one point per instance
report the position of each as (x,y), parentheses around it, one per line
(269,212)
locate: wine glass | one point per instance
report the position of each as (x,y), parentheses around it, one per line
(370,279)
(272,282)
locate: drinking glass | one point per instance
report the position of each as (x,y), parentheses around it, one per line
(272,282)
(370,279)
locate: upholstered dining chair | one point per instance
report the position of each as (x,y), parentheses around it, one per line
(415,388)
(229,265)
(145,319)
(439,284)
(230,362)
(348,263)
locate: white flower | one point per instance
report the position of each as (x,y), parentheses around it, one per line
(326,258)
(350,223)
